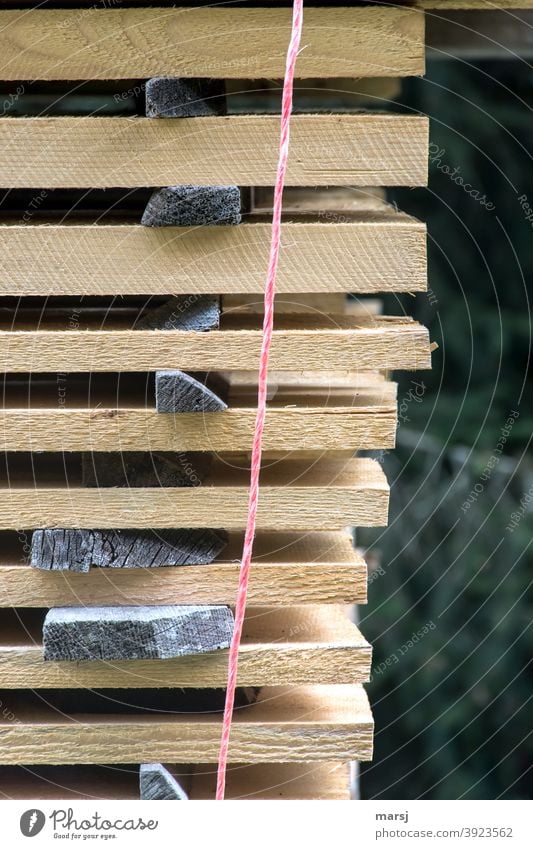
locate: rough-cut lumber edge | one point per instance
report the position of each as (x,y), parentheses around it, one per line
(76,550)
(194,42)
(178,97)
(178,392)
(298,724)
(343,343)
(487,5)
(316,428)
(287,569)
(143,469)
(314,644)
(362,252)
(135,633)
(183,312)
(325,411)
(193,206)
(379,150)
(157,783)
(244,781)
(328,494)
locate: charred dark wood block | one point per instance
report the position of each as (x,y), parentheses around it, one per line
(179,392)
(144,469)
(175,97)
(156,782)
(135,633)
(77,550)
(193,206)
(183,312)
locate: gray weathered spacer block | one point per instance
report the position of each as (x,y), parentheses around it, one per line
(76,550)
(135,633)
(179,392)
(156,782)
(144,469)
(193,206)
(183,312)
(175,97)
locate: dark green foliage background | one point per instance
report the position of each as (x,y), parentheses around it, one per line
(454,711)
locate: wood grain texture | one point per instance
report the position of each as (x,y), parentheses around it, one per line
(244,781)
(337,343)
(103,429)
(370,253)
(196,42)
(296,495)
(287,569)
(297,645)
(313,723)
(487,5)
(237,150)
(138,632)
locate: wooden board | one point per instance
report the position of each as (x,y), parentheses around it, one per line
(374,252)
(112,152)
(287,569)
(335,420)
(321,343)
(486,5)
(195,42)
(296,645)
(285,725)
(295,495)
(244,781)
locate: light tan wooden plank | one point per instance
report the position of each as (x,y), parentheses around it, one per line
(487,5)
(295,495)
(244,781)
(277,781)
(194,42)
(299,724)
(296,645)
(328,303)
(104,429)
(111,152)
(373,253)
(342,343)
(287,569)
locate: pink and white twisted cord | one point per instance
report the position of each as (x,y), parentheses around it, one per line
(257,448)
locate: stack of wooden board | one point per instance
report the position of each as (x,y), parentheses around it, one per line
(99,317)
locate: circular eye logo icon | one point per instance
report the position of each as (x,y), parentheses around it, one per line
(32,822)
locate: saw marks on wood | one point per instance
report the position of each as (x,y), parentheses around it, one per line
(244,781)
(56,44)
(314,723)
(365,150)
(315,343)
(300,645)
(287,569)
(373,252)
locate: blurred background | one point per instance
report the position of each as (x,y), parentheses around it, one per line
(450,605)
